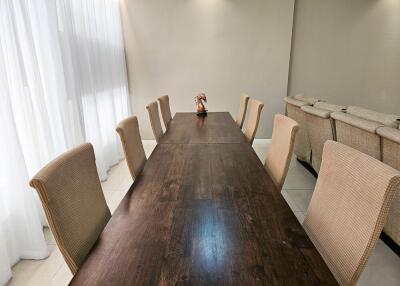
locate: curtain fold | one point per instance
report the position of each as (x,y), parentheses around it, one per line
(62,82)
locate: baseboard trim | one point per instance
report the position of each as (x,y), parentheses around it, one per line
(261,141)
(256,141)
(390,243)
(308,167)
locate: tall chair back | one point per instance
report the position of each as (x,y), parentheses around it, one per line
(165,110)
(155,122)
(244,99)
(255,107)
(348,209)
(129,133)
(281,149)
(71,194)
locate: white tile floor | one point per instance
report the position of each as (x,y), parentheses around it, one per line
(382,268)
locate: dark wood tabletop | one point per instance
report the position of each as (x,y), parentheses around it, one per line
(204,214)
(216,127)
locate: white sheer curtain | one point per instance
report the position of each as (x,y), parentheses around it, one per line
(62,82)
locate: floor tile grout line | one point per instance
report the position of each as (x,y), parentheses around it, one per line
(55,272)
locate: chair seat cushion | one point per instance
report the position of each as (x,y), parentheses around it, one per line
(309,100)
(367,125)
(295,102)
(329,107)
(389,133)
(385,119)
(316,111)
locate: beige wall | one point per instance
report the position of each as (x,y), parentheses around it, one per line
(348,52)
(221,47)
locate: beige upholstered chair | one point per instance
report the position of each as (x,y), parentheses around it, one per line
(254,113)
(390,144)
(281,149)
(348,208)
(320,127)
(129,133)
(70,191)
(244,99)
(165,110)
(152,108)
(302,146)
(357,128)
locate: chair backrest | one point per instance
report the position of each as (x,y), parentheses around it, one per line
(348,209)
(244,99)
(71,194)
(254,112)
(129,133)
(165,110)
(152,108)
(281,149)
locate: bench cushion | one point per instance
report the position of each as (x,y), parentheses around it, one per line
(364,124)
(382,118)
(389,133)
(295,102)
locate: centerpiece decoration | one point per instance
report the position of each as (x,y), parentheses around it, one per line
(200,108)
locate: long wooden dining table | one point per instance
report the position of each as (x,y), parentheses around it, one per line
(203,212)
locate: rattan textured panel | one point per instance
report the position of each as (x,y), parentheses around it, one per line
(302,147)
(364,141)
(391,156)
(319,131)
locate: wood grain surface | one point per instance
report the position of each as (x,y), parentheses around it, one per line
(204,214)
(216,127)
